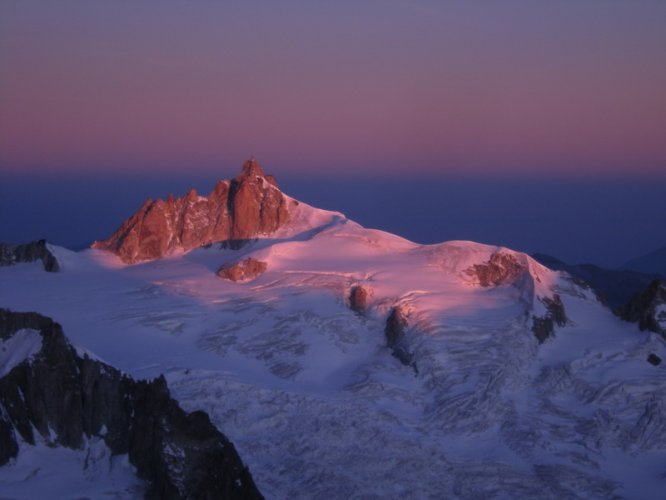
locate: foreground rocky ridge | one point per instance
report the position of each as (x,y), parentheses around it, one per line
(29,252)
(234,212)
(64,399)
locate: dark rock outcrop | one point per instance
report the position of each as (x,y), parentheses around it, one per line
(358,298)
(648,308)
(29,252)
(243,270)
(396,325)
(543,327)
(234,212)
(502,269)
(613,287)
(653,359)
(65,399)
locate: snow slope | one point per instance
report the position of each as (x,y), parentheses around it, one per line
(45,471)
(317,405)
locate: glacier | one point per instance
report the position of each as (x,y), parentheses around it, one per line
(316,403)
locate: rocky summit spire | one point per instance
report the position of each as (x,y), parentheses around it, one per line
(237,211)
(251,168)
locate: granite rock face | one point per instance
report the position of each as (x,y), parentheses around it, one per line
(243,270)
(501,269)
(235,211)
(648,308)
(57,396)
(29,252)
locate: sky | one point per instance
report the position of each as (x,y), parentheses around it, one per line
(559,103)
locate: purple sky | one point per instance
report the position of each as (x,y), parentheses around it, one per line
(540,88)
(534,124)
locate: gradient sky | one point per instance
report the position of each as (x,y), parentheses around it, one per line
(537,124)
(532,87)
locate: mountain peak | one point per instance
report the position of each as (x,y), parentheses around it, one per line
(234,212)
(251,167)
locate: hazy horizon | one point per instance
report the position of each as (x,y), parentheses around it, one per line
(604,222)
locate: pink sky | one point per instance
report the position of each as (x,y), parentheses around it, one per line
(571,88)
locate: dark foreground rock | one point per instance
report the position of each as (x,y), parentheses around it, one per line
(29,252)
(235,212)
(648,308)
(57,396)
(243,270)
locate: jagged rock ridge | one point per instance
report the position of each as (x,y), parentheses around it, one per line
(235,211)
(648,308)
(66,399)
(29,252)
(613,286)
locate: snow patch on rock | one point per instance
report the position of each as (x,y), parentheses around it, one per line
(20,347)
(660,315)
